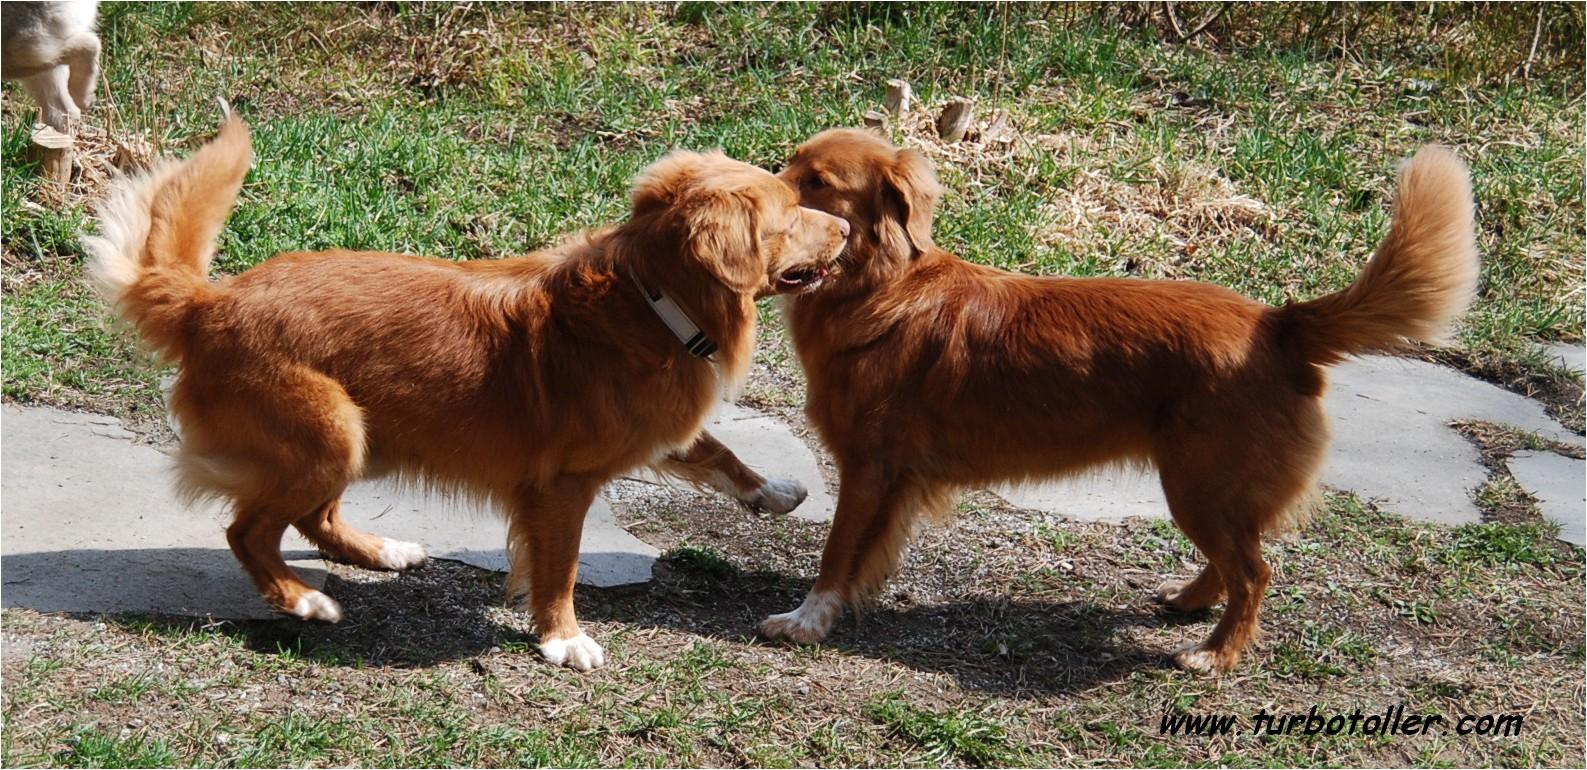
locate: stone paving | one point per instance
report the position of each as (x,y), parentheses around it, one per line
(90,523)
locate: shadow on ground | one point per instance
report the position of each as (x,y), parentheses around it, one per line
(447,611)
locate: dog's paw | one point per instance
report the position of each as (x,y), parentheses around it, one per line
(1197,659)
(400,555)
(806,625)
(317,606)
(579,653)
(1172,594)
(779,495)
(1169,590)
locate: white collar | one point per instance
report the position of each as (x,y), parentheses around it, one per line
(687,331)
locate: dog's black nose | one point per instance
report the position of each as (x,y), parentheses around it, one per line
(843,226)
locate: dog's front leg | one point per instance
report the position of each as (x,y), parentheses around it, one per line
(874,519)
(709,463)
(543,543)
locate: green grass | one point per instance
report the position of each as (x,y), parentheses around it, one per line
(477,133)
(483,131)
(964,736)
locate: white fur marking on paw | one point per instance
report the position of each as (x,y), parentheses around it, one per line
(580,653)
(1195,659)
(780,495)
(317,606)
(400,555)
(806,625)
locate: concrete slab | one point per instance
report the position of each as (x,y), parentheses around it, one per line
(1392,444)
(1110,495)
(1560,485)
(90,525)
(770,447)
(1570,355)
(1392,440)
(452,529)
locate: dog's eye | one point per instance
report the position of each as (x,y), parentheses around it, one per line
(815,182)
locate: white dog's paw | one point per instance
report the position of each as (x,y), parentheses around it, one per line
(400,555)
(779,495)
(1197,659)
(806,625)
(579,653)
(317,606)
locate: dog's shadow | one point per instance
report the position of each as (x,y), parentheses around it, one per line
(447,611)
(988,642)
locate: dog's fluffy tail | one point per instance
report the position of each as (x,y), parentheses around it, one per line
(1421,279)
(157,236)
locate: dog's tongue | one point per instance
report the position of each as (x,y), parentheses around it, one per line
(802,278)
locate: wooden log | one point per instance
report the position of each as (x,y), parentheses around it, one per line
(53,150)
(899,96)
(955,119)
(874,119)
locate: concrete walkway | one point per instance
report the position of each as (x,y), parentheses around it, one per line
(1392,445)
(90,523)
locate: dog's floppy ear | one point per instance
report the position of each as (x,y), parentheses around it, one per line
(716,228)
(909,186)
(723,232)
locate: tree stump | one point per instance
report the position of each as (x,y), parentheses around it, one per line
(898,96)
(53,150)
(955,119)
(874,119)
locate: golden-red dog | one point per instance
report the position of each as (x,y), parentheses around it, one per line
(529,381)
(929,375)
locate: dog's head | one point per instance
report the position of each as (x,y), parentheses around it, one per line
(736,223)
(888,194)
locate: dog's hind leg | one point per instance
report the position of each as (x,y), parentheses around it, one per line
(282,446)
(1205,590)
(342,542)
(81,54)
(49,89)
(255,539)
(708,463)
(1224,493)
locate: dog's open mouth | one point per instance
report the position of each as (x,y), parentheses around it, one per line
(794,280)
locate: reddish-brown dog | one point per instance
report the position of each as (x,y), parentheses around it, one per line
(929,375)
(529,381)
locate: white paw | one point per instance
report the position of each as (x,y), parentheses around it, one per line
(779,495)
(579,653)
(1196,659)
(400,555)
(806,625)
(317,606)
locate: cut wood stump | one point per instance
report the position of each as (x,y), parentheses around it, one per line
(955,119)
(874,119)
(53,150)
(898,96)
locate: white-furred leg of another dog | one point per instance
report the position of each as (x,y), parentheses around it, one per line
(778,495)
(317,606)
(808,624)
(400,555)
(579,652)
